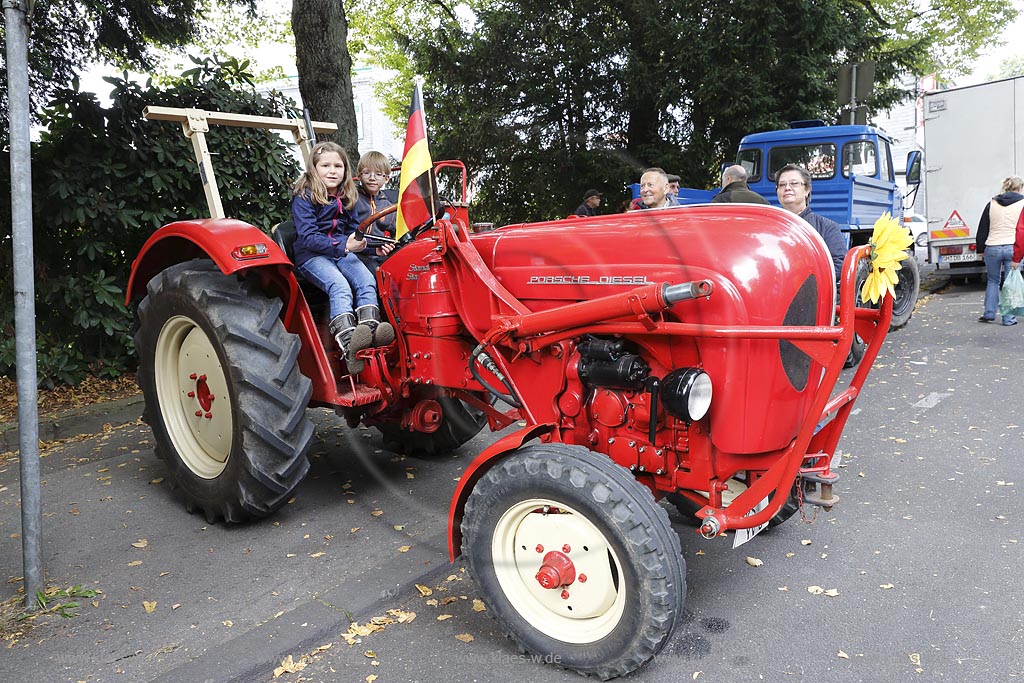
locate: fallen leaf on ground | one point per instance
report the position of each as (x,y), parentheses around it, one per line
(842,655)
(443,617)
(464,637)
(228,623)
(405,548)
(158,480)
(377,513)
(832,592)
(289,666)
(478,605)
(806,541)
(135,563)
(371,678)
(148,606)
(141,543)
(320,554)
(432,602)
(370,654)
(399,527)
(886,586)
(754,562)
(815,590)
(424,590)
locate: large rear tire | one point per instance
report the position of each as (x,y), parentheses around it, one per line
(459,423)
(575,559)
(223,391)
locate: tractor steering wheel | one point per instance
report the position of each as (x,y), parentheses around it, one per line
(386,211)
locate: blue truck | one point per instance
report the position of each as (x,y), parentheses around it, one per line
(854,182)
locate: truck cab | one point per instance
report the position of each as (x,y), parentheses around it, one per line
(851,168)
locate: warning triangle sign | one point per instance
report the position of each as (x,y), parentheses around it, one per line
(954,221)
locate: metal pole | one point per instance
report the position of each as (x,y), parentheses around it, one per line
(24,295)
(853,94)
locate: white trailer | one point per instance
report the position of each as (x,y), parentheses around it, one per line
(973,139)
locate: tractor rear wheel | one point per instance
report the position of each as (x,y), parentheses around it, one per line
(575,558)
(459,422)
(223,391)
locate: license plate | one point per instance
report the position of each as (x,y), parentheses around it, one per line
(958,258)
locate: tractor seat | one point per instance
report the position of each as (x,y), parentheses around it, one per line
(284,234)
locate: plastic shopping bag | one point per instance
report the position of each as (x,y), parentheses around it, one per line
(1011,297)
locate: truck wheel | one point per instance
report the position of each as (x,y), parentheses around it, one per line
(459,423)
(224,395)
(575,559)
(907,289)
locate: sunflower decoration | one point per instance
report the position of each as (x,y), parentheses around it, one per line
(889,242)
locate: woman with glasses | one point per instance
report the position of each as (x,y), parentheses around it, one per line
(793,187)
(373,173)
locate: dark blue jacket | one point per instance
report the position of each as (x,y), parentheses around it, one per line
(321,229)
(833,236)
(366,206)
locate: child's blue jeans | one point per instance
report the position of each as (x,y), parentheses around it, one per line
(340,279)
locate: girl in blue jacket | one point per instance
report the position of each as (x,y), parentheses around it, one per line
(323,210)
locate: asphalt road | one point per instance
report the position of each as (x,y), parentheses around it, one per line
(924,552)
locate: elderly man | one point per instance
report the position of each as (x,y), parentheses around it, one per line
(673,185)
(591,200)
(654,191)
(734,188)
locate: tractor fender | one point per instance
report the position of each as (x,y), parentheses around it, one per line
(215,238)
(220,240)
(489,457)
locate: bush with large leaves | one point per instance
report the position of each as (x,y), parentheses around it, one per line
(103,180)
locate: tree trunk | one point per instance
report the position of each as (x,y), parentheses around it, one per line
(325,68)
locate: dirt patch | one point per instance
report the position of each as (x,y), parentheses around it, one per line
(92,390)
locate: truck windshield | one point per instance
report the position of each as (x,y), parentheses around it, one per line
(819,159)
(750,160)
(860,158)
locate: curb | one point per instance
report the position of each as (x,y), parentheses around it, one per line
(86,420)
(253,655)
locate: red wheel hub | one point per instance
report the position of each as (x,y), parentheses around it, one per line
(426,417)
(203,393)
(556,570)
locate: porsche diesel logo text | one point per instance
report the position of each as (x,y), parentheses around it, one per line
(587,280)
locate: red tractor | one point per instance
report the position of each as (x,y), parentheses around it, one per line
(688,354)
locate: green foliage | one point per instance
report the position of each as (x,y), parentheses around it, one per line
(66,34)
(1011,67)
(543,101)
(104,179)
(62,601)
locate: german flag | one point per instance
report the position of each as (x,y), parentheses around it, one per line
(418,202)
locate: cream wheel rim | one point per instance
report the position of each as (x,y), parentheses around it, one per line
(581,611)
(192,390)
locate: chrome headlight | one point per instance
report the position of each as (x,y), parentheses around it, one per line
(686,393)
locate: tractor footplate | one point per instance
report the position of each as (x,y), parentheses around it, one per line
(358,395)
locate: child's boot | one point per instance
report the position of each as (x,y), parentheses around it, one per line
(350,339)
(383,333)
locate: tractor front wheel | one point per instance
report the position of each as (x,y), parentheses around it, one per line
(223,391)
(575,558)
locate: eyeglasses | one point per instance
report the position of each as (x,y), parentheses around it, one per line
(792,183)
(374,174)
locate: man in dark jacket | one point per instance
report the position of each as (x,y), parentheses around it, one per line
(591,200)
(734,188)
